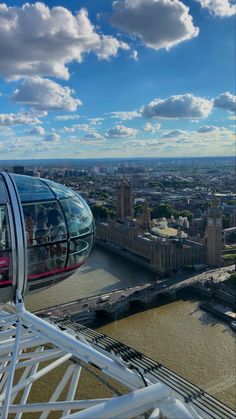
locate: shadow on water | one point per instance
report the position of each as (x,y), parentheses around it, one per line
(104,260)
(186,294)
(206,318)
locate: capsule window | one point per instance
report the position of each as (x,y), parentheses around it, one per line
(5,249)
(59,190)
(31,189)
(46,259)
(44,222)
(46,238)
(79,250)
(3,197)
(79,218)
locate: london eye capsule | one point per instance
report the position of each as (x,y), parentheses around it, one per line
(46,234)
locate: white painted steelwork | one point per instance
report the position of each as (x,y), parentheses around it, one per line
(27,342)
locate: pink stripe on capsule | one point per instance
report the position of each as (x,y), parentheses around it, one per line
(9,281)
(54,271)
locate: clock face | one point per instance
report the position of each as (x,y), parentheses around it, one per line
(210,221)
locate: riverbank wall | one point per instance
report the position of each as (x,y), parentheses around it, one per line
(212,294)
(97,310)
(127,255)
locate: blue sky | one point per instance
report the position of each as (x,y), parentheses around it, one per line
(125,78)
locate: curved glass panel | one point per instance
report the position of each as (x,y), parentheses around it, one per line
(59,229)
(5,249)
(78,215)
(32,189)
(46,233)
(3,197)
(46,259)
(79,250)
(44,221)
(59,190)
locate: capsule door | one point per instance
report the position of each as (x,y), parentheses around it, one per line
(7,246)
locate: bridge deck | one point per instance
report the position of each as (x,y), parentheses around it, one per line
(206,404)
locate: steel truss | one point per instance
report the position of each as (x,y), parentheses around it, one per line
(31,348)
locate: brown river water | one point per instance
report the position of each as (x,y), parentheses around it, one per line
(178,334)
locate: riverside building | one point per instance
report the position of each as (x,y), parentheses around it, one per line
(159,247)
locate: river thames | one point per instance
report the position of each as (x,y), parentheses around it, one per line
(178,334)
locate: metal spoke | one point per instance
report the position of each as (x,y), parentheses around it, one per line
(32,348)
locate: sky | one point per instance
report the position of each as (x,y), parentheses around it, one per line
(124,78)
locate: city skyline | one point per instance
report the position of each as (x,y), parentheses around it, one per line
(111,80)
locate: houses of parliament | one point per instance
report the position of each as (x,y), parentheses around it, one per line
(157,243)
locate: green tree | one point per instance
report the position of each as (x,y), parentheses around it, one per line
(99,211)
(162,210)
(231,238)
(185,213)
(225,220)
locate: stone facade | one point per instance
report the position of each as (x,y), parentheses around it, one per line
(164,252)
(214,235)
(145,217)
(164,255)
(125,200)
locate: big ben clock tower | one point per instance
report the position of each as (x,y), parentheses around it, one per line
(214,234)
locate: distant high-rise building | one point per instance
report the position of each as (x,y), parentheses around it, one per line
(145,217)
(214,234)
(19,170)
(29,172)
(125,206)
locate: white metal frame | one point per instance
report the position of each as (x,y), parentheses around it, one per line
(26,341)
(18,237)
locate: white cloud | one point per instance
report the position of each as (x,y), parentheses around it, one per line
(179,106)
(207,128)
(66,117)
(84,127)
(219,136)
(66,130)
(37,40)
(125,115)
(221,8)
(148,127)
(120,131)
(217,142)
(78,127)
(9,119)
(45,94)
(53,137)
(95,121)
(37,130)
(38,113)
(92,136)
(158,23)
(109,46)
(174,133)
(226,101)
(213,137)
(134,55)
